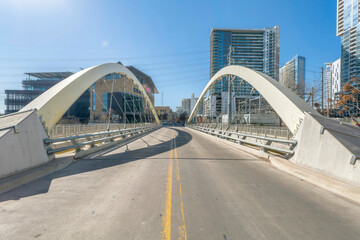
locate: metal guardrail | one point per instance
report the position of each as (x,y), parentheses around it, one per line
(91,140)
(65,130)
(241,138)
(267,131)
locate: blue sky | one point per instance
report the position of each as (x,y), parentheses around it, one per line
(168,40)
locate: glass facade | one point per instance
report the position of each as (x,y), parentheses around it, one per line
(17,99)
(350,13)
(94,97)
(105,104)
(292,75)
(335,78)
(348,28)
(112,76)
(327,84)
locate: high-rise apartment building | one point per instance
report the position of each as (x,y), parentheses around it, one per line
(332,83)
(327,84)
(335,78)
(292,75)
(253,48)
(348,28)
(188,104)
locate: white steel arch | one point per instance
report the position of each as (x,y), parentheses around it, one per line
(289,106)
(52,104)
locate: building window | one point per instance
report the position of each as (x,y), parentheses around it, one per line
(94,98)
(105,102)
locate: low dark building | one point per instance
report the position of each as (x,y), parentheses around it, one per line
(37,83)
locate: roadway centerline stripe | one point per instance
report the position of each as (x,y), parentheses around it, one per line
(182,229)
(166,217)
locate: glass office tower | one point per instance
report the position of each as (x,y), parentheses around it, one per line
(254,48)
(348,28)
(292,75)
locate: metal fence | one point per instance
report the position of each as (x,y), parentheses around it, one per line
(64,130)
(266,131)
(77,142)
(266,143)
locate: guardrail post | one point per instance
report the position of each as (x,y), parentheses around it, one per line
(241,138)
(92,144)
(268,143)
(110,139)
(74,142)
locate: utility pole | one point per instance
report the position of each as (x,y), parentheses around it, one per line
(312,97)
(322,89)
(162,99)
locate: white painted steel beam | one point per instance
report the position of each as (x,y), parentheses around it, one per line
(52,104)
(289,106)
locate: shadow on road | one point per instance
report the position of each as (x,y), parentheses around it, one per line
(100,161)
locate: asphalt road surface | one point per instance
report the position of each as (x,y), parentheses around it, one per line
(175,183)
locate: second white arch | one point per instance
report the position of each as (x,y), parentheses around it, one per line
(289,106)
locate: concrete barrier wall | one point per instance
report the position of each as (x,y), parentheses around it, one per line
(23,148)
(324,152)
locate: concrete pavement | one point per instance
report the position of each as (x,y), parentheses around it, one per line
(179,184)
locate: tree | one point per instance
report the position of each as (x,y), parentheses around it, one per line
(349,99)
(163,116)
(183,116)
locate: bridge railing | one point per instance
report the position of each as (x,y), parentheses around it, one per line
(267,131)
(64,130)
(88,142)
(266,143)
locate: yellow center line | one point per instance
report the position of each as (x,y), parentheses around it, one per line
(166,217)
(182,229)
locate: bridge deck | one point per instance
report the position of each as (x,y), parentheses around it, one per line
(220,193)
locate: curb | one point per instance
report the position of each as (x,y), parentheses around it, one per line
(16,180)
(330,184)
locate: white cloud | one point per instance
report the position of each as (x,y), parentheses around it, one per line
(105,43)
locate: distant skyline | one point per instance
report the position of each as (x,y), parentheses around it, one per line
(168,40)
